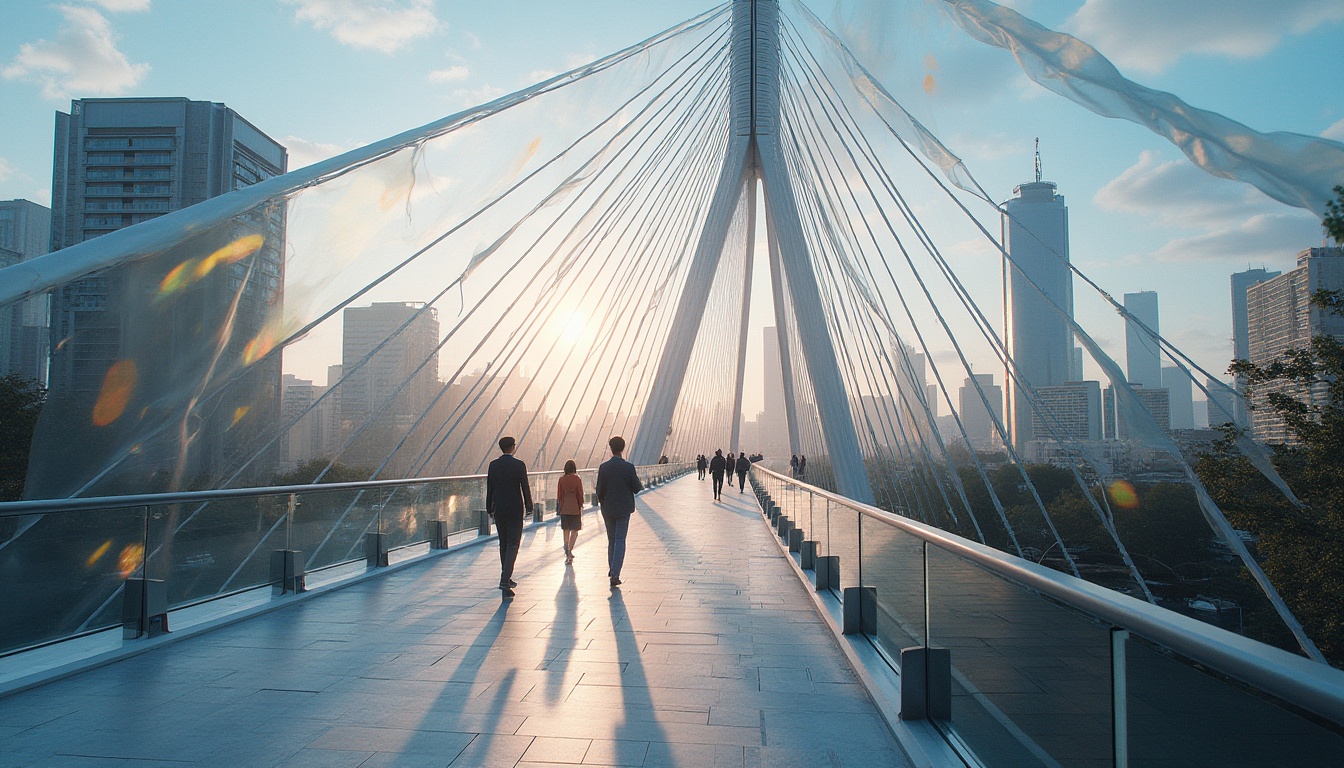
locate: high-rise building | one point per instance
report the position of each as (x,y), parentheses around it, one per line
(1143,356)
(304,440)
(1040,342)
(975,417)
(1221,404)
(1241,350)
(1117,425)
(1280,317)
(1069,411)
(1181,390)
(25,233)
(120,162)
(390,358)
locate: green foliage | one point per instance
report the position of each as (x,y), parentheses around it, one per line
(1333,221)
(307,473)
(1300,549)
(21,401)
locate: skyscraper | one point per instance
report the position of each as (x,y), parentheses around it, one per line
(1241,350)
(1069,412)
(119,162)
(25,232)
(1143,357)
(1180,388)
(975,418)
(1036,236)
(1280,317)
(400,378)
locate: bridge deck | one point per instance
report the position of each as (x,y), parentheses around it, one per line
(711,654)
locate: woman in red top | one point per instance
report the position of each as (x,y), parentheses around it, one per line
(569,498)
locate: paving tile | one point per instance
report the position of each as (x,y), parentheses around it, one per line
(711,656)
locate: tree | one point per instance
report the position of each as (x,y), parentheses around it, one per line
(1300,548)
(21,401)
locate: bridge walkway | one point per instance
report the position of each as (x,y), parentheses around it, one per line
(710,654)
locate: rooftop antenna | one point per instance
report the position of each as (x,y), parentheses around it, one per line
(1038,159)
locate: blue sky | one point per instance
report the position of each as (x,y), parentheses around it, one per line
(322,76)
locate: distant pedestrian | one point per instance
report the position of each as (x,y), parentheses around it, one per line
(731,465)
(743,467)
(507,495)
(617,484)
(569,500)
(793,466)
(662,459)
(717,466)
(802,466)
(701,464)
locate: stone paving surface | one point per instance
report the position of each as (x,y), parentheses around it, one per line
(711,654)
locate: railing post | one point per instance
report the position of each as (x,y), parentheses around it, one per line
(1119,698)
(482,522)
(287,572)
(375,550)
(926,683)
(438,534)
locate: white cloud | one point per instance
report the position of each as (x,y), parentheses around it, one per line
(383,25)
(120,6)
(1124,31)
(1335,131)
(1232,222)
(303,152)
(6,169)
(450,75)
(82,60)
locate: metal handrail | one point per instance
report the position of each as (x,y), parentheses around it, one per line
(83,504)
(1299,681)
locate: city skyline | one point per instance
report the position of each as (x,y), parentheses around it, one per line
(1141,216)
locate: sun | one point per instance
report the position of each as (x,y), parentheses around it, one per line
(572,325)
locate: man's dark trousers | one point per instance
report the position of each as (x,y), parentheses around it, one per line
(510,527)
(617,527)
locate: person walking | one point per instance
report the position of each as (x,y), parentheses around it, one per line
(730,466)
(701,464)
(507,495)
(802,467)
(793,466)
(743,467)
(717,465)
(617,484)
(569,500)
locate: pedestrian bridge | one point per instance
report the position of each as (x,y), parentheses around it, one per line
(719,650)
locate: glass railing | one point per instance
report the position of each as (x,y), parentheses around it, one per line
(1050,670)
(75,567)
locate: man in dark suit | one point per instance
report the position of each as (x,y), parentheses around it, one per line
(743,467)
(716,469)
(617,484)
(507,496)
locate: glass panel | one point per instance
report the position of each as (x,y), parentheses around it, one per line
(1031,680)
(893,563)
(62,573)
(1183,716)
(204,548)
(844,541)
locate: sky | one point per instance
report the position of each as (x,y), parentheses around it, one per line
(325,76)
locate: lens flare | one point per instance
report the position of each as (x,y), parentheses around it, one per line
(1124,495)
(239,413)
(98,554)
(118,385)
(236,251)
(930,85)
(177,278)
(260,346)
(130,559)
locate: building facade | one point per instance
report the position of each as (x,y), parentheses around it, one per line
(1241,345)
(1281,317)
(121,162)
(1068,412)
(1040,342)
(976,419)
(25,233)
(1143,357)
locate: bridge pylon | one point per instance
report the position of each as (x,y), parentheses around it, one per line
(755,154)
